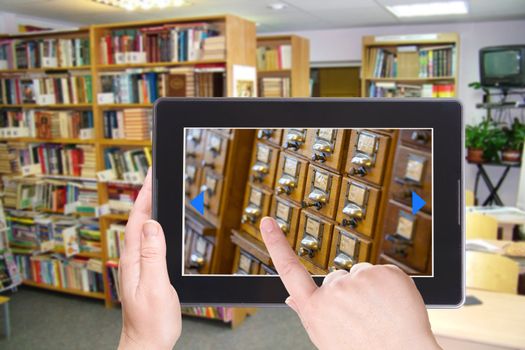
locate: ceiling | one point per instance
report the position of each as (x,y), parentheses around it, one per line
(298,15)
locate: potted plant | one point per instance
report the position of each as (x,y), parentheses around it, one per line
(515,139)
(484,141)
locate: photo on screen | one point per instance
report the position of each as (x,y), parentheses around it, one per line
(340,196)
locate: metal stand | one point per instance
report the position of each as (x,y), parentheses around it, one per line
(493,197)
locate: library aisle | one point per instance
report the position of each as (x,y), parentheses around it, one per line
(78,80)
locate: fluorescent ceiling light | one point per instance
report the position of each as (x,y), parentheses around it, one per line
(429,9)
(278,6)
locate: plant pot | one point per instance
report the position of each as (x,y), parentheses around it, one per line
(511,156)
(475,155)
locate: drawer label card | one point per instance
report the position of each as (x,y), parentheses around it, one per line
(347,244)
(326,134)
(215,143)
(356,194)
(245,263)
(290,166)
(256,197)
(190,172)
(200,247)
(414,169)
(263,153)
(313,227)
(321,180)
(405,225)
(282,211)
(211,183)
(366,143)
(195,135)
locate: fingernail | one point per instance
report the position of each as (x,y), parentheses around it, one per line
(267,225)
(150,228)
(291,304)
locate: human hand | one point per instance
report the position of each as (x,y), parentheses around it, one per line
(151,317)
(370,307)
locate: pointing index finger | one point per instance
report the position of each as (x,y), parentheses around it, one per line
(296,279)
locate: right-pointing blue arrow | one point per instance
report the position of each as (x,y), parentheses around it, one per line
(417,203)
(198,203)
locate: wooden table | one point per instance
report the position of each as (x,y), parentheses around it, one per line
(498,323)
(507,218)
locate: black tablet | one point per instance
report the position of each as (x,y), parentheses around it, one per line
(347,180)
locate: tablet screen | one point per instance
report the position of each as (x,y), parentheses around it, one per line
(340,196)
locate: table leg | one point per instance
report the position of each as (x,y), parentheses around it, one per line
(7,321)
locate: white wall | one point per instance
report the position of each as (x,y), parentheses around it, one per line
(344,45)
(9,22)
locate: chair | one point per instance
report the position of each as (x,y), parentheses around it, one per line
(492,272)
(481,226)
(469,198)
(7,322)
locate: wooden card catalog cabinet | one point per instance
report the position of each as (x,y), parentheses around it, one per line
(408,237)
(247,264)
(291,177)
(358,206)
(215,152)
(272,136)
(328,147)
(322,191)
(256,205)
(314,239)
(192,179)
(417,138)
(412,173)
(295,140)
(368,152)
(286,214)
(212,188)
(264,164)
(347,250)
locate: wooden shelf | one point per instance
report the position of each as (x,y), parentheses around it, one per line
(125,105)
(112,67)
(55,106)
(43,70)
(116,217)
(69,178)
(64,290)
(415,79)
(277,71)
(117,142)
(69,141)
(58,250)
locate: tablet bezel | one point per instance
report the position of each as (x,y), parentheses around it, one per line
(172,115)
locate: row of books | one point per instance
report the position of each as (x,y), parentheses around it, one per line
(274,58)
(411,61)
(57,271)
(113,281)
(167,43)
(69,88)
(392,89)
(47,124)
(9,276)
(124,162)
(130,124)
(143,86)
(115,239)
(275,87)
(121,197)
(215,312)
(44,53)
(50,233)
(55,159)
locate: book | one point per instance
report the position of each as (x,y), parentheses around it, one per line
(130,124)
(274,57)
(275,87)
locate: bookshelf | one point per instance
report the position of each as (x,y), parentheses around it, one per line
(136,51)
(418,65)
(283,66)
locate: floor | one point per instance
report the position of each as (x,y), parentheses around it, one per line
(49,320)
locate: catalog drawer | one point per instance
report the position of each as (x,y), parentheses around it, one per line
(201,253)
(322,191)
(286,214)
(347,249)
(273,136)
(407,238)
(314,239)
(291,177)
(195,140)
(215,152)
(267,270)
(211,185)
(419,138)
(257,202)
(412,173)
(192,178)
(264,164)
(296,140)
(367,155)
(246,264)
(328,147)
(358,206)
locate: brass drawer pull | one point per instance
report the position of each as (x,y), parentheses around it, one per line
(251,213)
(196,260)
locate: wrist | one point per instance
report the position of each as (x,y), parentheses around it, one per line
(128,342)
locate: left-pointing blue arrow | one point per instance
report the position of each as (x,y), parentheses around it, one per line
(198,203)
(417,203)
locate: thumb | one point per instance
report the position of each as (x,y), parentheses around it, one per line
(153,269)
